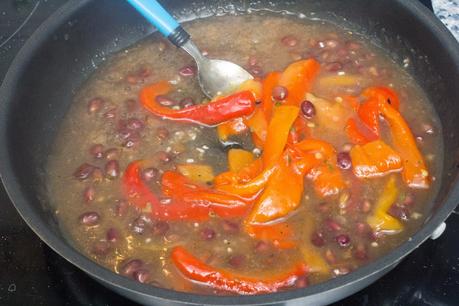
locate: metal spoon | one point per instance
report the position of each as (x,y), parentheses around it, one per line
(215,76)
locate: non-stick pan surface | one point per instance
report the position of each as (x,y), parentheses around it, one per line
(39,85)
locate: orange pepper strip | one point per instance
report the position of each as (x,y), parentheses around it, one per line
(307,162)
(251,171)
(282,194)
(373,159)
(243,176)
(237,184)
(267,101)
(299,131)
(233,127)
(257,142)
(328,180)
(316,145)
(414,173)
(278,131)
(212,113)
(250,188)
(258,125)
(383,95)
(298,78)
(280,234)
(198,271)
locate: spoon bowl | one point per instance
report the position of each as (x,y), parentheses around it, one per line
(216,77)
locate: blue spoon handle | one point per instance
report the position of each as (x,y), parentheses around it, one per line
(162,20)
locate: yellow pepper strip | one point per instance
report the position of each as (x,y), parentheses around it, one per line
(339,80)
(314,260)
(254,86)
(197,172)
(380,220)
(239,159)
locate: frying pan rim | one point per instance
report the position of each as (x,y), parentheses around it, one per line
(8,177)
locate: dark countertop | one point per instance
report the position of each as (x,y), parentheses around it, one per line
(32,274)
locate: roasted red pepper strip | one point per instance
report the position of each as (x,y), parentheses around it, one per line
(135,189)
(352,102)
(383,95)
(188,193)
(212,113)
(316,146)
(369,114)
(138,193)
(355,135)
(198,271)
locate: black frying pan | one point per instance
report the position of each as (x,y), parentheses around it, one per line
(39,85)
